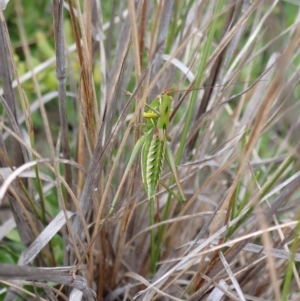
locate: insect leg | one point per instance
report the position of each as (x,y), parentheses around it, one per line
(171,162)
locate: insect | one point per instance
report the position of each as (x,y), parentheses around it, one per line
(154,147)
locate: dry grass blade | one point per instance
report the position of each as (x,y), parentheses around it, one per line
(232,278)
(43,239)
(61,78)
(217,294)
(8,93)
(40,274)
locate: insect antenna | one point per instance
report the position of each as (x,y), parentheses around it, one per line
(187,91)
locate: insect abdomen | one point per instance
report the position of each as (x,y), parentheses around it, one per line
(153,155)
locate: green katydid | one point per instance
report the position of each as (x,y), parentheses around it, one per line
(154,147)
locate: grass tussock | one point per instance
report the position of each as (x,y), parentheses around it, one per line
(75,220)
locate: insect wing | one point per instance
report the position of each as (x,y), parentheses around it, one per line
(153,154)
